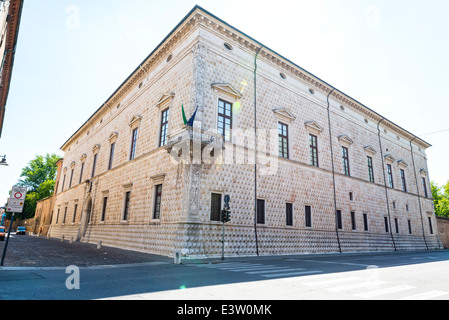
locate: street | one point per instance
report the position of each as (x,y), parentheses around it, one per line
(359,276)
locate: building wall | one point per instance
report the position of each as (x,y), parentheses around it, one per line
(201,72)
(443,229)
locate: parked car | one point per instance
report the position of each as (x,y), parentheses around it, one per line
(2,233)
(20,230)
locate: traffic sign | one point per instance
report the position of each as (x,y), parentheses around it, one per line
(17,199)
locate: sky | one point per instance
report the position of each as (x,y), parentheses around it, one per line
(392,56)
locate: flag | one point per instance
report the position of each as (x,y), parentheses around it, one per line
(184,116)
(192,119)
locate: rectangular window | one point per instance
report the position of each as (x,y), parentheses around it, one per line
(283,140)
(308,216)
(157,201)
(396,224)
(353,223)
(74,212)
(94,165)
(386,224)
(57,216)
(390,176)
(260,211)
(81,173)
(289,214)
(71,177)
(345,155)
(424,184)
(404,182)
(164,128)
(215,207)
(225,119)
(126,207)
(103,212)
(111,156)
(63,182)
(409,226)
(313,150)
(339,220)
(430,225)
(132,152)
(370,169)
(65,214)
(365,222)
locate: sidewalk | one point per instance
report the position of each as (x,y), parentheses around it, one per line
(32,251)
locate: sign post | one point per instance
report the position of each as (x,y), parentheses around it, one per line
(224,219)
(15,205)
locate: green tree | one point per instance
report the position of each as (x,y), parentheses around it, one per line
(39,170)
(39,178)
(441,199)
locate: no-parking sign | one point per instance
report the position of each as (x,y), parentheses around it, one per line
(17,199)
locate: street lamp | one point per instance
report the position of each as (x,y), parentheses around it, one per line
(3,161)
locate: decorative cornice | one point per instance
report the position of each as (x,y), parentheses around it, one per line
(313,126)
(389,158)
(370,149)
(135,120)
(284,114)
(113,137)
(227,88)
(344,138)
(165,97)
(402,163)
(96,148)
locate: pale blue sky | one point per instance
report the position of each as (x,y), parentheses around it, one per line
(389,55)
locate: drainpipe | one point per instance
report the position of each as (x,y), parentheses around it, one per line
(333,169)
(255,149)
(385,182)
(417,190)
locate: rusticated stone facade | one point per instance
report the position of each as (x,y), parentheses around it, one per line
(320,174)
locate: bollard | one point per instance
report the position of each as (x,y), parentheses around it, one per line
(99,245)
(177,257)
(62,238)
(71,240)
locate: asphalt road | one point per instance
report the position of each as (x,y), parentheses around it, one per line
(367,276)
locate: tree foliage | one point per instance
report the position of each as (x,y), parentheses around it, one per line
(39,178)
(441,199)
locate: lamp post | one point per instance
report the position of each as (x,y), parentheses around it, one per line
(3,161)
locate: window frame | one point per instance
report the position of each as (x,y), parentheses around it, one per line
(81,172)
(134,136)
(370,169)
(403,180)
(103,209)
(226,119)
(163,132)
(111,155)
(127,200)
(289,214)
(283,140)
(390,176)
(216,218)
(157,204)
(94,165)
(308,216)
(260,210)
(345,158)
(313,146)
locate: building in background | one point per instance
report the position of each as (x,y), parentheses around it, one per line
(327,173)
(10,15)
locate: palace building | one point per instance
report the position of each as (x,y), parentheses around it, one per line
(307,168)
